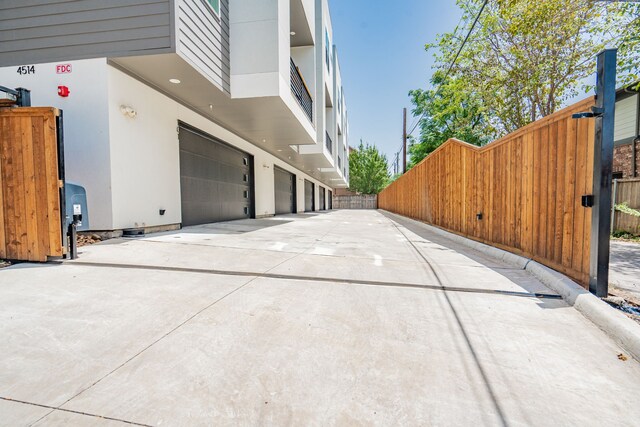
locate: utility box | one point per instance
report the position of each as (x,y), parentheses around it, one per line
(76,204)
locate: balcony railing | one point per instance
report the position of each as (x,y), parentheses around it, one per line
(329,143)
(301,91)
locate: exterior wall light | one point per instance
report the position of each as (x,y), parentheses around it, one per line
(128,111)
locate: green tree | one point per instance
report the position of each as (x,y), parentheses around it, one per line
(526,58)
(453,111)
(368,170)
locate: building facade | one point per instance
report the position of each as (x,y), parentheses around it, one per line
(626,160)
(183,112)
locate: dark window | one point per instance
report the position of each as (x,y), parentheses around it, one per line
(327,49)
(215,5)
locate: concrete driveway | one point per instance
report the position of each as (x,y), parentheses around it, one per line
(341,318)
(624,268)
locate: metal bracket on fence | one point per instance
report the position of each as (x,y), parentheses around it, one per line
(595,112)
(587,201)
(20,96)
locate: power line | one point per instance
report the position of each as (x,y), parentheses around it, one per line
(413,123)
(452,62)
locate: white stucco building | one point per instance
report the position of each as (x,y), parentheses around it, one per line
(182,112)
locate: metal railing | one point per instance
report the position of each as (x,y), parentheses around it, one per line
(329,143)
(301,91)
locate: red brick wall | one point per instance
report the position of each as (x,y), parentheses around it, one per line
(622,159)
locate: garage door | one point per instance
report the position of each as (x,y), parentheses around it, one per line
(216,180)
(321,201)
(308,196)
(285,186)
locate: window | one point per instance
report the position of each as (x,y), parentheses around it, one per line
(327,49)
(215,5)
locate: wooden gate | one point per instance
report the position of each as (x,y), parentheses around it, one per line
(31,184)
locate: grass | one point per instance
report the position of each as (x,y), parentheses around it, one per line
(625,236)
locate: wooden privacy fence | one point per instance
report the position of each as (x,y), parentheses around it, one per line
(627,191)
(358,201)
(521,193)
(30,211)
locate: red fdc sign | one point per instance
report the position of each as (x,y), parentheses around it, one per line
(63,68)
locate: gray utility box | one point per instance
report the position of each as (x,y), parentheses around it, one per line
(76,204)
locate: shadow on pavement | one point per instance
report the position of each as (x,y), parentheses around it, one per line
(515,275)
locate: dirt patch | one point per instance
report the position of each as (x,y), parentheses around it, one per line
(88,239)
(630,308)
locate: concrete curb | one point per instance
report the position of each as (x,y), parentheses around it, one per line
(624,331)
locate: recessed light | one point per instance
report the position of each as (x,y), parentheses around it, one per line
(279,150)
(174,81)
(210,106)
(264,140)
(293,33)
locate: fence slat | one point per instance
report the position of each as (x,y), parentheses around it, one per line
(29,196)
(528,186)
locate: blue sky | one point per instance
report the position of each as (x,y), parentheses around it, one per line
(382,57)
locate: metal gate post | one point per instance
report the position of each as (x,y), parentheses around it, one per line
(602,168)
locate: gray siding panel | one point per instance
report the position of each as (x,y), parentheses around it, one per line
(35,31)
(203,39)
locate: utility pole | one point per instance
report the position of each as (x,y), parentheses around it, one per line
(404,140)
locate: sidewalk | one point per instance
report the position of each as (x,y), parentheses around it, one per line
(624,268)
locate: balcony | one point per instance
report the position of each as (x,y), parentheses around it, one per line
(328,142)
(301,91)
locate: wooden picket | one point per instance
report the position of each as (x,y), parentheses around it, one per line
(30,211)
(527,186)
(627,191)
